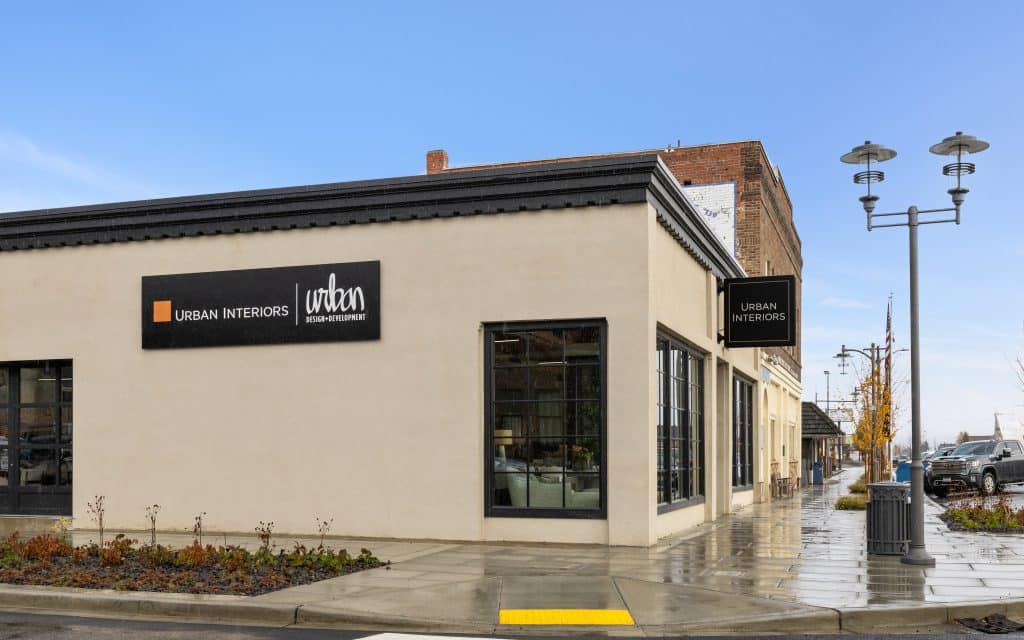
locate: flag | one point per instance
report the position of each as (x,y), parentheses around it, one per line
(887,389)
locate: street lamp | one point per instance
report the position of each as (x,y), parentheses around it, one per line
(866,154)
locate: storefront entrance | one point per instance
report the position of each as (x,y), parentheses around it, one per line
(35,438)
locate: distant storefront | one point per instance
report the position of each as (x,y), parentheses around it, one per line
(522,353)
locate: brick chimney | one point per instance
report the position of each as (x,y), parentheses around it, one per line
(437,161)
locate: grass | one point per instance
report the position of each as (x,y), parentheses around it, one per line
(853,502)
(978,514)
(121,564)
(860,486)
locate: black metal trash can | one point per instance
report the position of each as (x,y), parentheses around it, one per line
(888,516)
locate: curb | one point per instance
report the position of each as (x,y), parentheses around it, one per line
(109,603)
(214,609)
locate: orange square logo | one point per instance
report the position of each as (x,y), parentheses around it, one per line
(161,311)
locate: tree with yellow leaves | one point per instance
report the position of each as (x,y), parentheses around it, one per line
(873,426)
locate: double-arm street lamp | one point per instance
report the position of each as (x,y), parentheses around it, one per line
(957,145)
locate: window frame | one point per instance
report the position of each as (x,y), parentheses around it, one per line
(500,511)
(737,381)
(664,482)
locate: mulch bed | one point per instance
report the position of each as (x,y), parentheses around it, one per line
(45,560)
(955,525)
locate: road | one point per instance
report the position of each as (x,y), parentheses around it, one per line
(23,626)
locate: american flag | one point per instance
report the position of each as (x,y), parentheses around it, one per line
(888,367)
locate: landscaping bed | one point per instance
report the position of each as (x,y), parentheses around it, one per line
(122,564)
(979,514)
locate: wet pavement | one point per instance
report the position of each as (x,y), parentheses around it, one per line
(794,557)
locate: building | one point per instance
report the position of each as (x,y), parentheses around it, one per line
(821,442)
(745,202)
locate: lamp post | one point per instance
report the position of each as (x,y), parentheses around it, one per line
(958,145)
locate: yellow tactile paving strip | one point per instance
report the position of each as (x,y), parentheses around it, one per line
(565,616)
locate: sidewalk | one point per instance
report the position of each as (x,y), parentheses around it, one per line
(791,565)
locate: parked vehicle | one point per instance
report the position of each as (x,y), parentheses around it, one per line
(942,450)
(985,465)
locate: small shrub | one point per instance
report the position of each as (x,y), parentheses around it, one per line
(264,531)
(853,502)
(197,529)
(96,511)
(151,512)
(860,486)
(114,553)
(44,547)
(977,513)
(324,527)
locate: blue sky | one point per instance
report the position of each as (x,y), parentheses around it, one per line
(107,101)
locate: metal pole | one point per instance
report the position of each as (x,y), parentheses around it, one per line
(916,554)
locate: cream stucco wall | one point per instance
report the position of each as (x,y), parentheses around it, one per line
(384,436)
(682,293)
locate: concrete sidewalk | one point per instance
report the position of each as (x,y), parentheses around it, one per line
(792,565)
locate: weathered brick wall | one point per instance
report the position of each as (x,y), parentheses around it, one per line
(766,239)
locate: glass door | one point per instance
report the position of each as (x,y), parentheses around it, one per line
(36,419)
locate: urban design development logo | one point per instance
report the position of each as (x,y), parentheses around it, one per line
(317,303)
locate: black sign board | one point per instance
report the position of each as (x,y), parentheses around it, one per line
(760,312)
(320,303)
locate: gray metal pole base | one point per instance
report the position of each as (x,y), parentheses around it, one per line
(918,556)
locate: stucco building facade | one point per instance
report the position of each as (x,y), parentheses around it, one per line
(545,365)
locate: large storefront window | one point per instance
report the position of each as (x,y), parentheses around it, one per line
(545,419)
(35,437)
(680,445)
(742,433)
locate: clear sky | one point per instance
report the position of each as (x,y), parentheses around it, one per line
(112,101)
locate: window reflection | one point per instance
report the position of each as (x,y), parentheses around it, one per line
(38,384)
(546,398)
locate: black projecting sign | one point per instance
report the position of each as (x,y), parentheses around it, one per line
(760,312)
(320,303)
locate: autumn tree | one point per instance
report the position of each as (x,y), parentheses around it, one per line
(962,437)
(873,426)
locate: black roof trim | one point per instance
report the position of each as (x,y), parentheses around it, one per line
(603,181)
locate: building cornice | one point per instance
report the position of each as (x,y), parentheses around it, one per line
(587,183)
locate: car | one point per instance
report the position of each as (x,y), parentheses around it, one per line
(942,450)
(985,465)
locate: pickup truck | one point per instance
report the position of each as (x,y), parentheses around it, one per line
(985,465)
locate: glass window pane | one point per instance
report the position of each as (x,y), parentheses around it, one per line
(583,454)
(43,466)
(546,455)
(583,344)
(583,491)
(510,383)
(5,464)
(546,490)
(509,349)
(510,489)
(583,382)
(39,384)
(4,386)
(66,424)
(583,419)
(546,346)
(38,426)
(513,416)
(66,383)
(549,419)
(510,454)
(5,426)
(674,485)
(547,382)
(64,468)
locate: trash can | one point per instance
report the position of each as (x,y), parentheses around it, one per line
(903,472)
(888,515)
(817,477)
